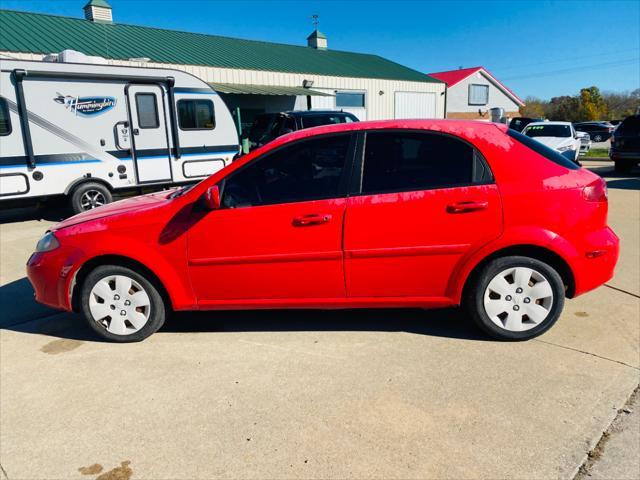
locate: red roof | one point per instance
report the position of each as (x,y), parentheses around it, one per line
(452,77)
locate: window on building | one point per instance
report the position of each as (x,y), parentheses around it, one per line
(409,161)
(147,110)
(349,100)
(196,115)
(305,170)
(5,120)
(478,94)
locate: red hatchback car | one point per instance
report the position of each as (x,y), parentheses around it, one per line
(406,213)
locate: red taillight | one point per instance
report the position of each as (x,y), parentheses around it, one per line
(596,191)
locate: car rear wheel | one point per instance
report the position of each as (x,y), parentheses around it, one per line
(121,305)
(597,137)
(88,196)
(515,298)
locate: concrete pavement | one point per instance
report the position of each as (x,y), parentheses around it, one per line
(365,394)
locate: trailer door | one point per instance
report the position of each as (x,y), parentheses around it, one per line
(150,140)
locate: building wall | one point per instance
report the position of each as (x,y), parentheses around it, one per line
(458,99)
(380,106)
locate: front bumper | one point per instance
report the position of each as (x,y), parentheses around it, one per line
(51,275)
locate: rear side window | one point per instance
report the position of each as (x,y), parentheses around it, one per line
(196,115)
(543,150)
(409,161)
(147,110)
(5,120)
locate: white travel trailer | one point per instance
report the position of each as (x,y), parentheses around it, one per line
(86,130)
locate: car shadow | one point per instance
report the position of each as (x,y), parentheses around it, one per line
(52,212)
(21,313)
(624,183)
(607,171)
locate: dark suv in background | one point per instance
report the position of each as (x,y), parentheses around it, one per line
(598,131)
(268,126)
(625,144)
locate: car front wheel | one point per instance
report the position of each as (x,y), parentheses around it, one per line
(121,305)
(515,298)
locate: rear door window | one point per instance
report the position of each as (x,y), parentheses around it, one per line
(397,161)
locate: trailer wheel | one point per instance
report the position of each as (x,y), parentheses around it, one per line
(88,196)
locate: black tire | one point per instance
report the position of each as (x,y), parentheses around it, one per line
(157,307)
(621,166)
(96,190)
(473,300)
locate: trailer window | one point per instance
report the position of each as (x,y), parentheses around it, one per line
(5,121)
(147,110)
(196,115)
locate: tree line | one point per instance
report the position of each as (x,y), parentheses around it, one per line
(589,104)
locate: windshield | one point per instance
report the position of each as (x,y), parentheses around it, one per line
(547,131)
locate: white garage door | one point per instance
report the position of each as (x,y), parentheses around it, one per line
(415,105)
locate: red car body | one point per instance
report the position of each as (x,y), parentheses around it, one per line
(393,249)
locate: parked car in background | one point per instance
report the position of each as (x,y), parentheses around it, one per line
(625,144)
(585,142)
(268,126)
(560,136)
(518,123)
(598,131)
(385,214)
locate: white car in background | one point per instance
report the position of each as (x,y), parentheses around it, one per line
(561,136)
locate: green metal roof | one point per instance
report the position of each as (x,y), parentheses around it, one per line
(97,3)
(266,90)
(39,33)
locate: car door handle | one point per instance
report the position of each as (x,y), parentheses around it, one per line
(312,219)
(465,207)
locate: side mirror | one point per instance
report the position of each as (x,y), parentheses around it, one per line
(212,198)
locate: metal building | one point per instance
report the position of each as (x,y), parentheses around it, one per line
(252,76)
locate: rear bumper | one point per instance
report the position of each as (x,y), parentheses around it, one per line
(595,263)
(618,155)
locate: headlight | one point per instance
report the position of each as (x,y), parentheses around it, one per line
(566,147)
(47,243)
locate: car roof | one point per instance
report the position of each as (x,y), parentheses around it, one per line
(460,128)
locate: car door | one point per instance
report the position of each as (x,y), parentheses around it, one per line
(278,234)
(150,133)
(426,200)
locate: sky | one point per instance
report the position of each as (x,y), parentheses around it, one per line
(537,48)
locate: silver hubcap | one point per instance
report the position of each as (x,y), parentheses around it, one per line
(518,299)
(92,199)
(119,304)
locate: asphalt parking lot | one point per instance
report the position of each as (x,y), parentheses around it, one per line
(299,394)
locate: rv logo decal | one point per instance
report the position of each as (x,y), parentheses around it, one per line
(86,106)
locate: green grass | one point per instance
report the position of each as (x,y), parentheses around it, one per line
(597,153)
